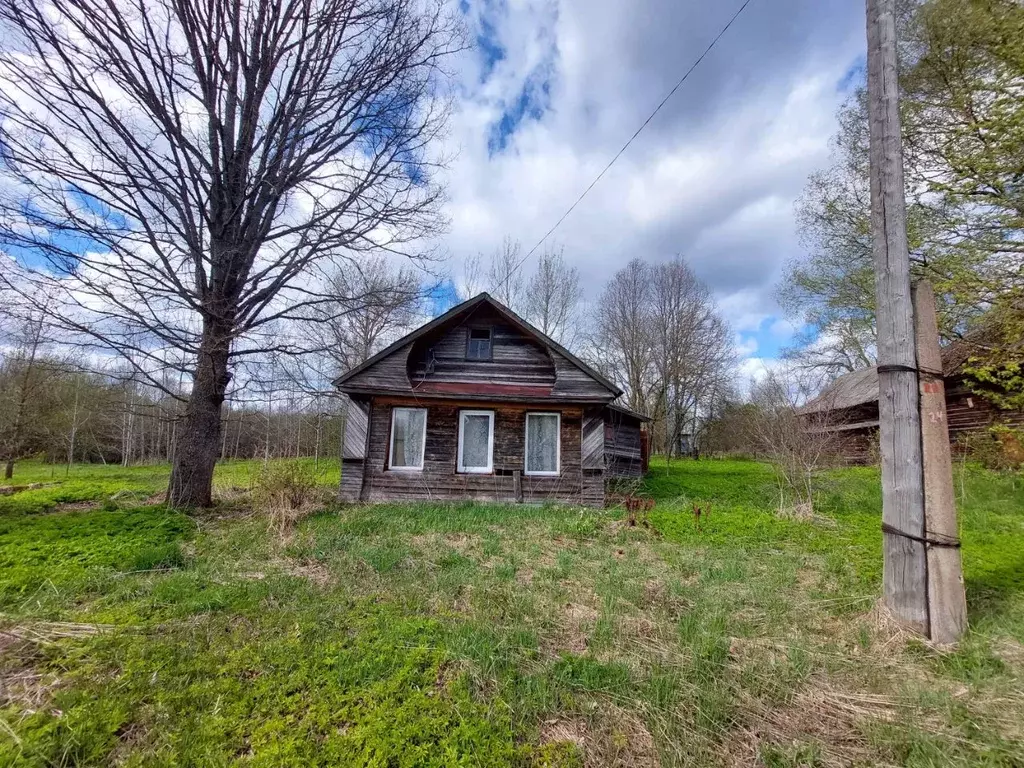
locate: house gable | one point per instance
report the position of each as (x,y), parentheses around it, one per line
(524,364)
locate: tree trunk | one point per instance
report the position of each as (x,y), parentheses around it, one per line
(9,469)
(195,450)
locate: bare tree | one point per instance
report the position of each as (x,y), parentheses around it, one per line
(552,298)
(471,281)
(622,341)
(190,170)
(24,377)
(692,350)
(660,335)
(798,445)
(504,277)
(375,302)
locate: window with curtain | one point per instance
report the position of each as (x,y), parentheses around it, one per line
(408,438)
(476,441)
(542,443)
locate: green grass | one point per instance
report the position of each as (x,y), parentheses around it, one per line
(469,634)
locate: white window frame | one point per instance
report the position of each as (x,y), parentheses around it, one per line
(490,443)
(391,442)
(558,445)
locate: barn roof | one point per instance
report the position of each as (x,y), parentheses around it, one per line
(848,391)
(860,387)
(465,308)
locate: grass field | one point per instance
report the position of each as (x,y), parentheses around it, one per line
(428,635)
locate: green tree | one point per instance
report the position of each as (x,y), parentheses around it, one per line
(962,79)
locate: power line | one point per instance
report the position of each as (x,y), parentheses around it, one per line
(630,141)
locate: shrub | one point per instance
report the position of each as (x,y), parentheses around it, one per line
(1000,448)
(285,491)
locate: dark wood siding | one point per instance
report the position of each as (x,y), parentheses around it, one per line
(622,445)
(439,479)
(523,366)
(966,413)
(572,381)
(389,373)
(516,359)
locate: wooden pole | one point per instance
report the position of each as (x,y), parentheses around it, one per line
(904,570)
(947,604)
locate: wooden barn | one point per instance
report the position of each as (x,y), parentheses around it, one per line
(479,404)
(848,408)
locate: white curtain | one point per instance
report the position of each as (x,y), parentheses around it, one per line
(407,437)
(542,442)
(476,441)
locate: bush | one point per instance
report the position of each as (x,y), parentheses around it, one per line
(286,491)
(999,448)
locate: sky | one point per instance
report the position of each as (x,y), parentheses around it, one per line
(549,90)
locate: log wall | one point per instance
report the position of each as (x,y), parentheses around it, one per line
(439,479)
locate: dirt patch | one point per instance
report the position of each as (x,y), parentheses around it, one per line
(575,622)
(10,490)
(447,672)
(316,572)
(76,506)
(22,685)
(559,730)
(826,721)
(463,543)
(613,739)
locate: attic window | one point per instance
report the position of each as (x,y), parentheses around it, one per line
(479,346)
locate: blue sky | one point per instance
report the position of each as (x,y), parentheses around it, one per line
(550,89)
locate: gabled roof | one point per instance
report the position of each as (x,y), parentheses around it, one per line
(861,387)
(464,309)
(848,391)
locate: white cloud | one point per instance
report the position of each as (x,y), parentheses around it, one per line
(714,176)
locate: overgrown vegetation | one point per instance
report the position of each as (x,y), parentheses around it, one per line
(488,635)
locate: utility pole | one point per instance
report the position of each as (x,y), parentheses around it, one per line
(947,604)
(904,570)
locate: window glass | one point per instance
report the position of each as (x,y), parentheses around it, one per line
(542,443)
(475,441)
(479,344)
(408,433)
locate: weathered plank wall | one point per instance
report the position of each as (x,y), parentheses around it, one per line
(521,366)
(355,444)
(516,360)
(439,479)
(967,413)
(622,448)
(593,438)
(572,381)
(389,373)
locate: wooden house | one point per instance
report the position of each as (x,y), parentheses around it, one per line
(848,408)
(479,404)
